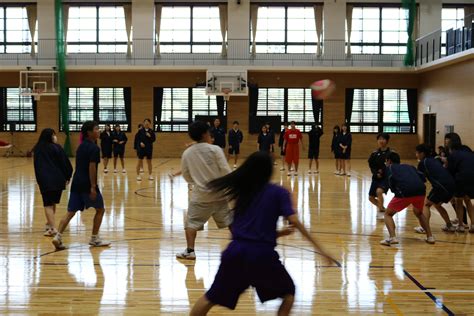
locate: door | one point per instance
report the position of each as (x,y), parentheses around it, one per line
(429,132)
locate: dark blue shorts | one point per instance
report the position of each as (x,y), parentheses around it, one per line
(119,152)
(234,150)
(440,196)
(313,153)
(106,152)
(245,264)
(378,183)
(145,153)
(79,201)
(464,189)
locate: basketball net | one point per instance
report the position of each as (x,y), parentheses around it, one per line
(226,92)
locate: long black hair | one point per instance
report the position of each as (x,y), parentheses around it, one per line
(337,128)
(46,138)
(246,182)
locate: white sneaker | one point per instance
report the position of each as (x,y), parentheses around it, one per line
(450,229)
(106,170)
(295,174)
(141,170)
(186,255)
(282,169)
(316,172)
(235,166)
(139,178)
(348,174)
(380,216)
(289,174)
(124,171)
(430,240)
(389,241)
(471,230)
(419,230)
(151,178)
(460,229)
(309,171)
(336,172)
(115,170)
(58,242)
(96,241)
(51,232)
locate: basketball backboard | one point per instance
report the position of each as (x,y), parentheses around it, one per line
(226,83)
(39,83)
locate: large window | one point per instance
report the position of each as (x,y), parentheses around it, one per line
(292,104)
(180,106)
(17,113)
(15,36)
(378,30)
(451,18)
(96,29)
(286,30)
(190,29)
(381,110)
(104,105)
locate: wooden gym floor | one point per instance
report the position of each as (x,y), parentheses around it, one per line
(140,275)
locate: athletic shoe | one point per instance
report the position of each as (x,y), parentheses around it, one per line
(336,172)
(46,227)
(58,242)
(275,163)
(151,178)
(124,171)
(141,170)
(380,216)
(389,241)
(51,232)
(106,170)
(295,174)
(430,240)
(282,169)
(96,241)
(460,229)
(186,255)
(309,171)
(235,166)
(419,230)
(115,170)
(341,174)
(139,178)
(348,174)
(316,172)
(289,174)
(450,229)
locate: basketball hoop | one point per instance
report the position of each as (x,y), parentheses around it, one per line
(226,92)
(37,94)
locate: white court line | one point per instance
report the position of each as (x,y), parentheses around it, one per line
(72,288)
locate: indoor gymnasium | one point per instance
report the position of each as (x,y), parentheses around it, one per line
(240,157)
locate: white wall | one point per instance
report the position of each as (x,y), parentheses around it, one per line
(430,16)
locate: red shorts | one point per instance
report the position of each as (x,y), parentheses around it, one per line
(399,204)
(292,153)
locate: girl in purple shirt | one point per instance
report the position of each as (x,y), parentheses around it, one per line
(251,259)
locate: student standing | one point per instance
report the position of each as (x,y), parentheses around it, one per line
(264,140)
(345,144)
(281,142)
(235,139)
(442,184)
(119,140)
(379,185)
(106,146)
(136,145)
(53,170)
(85,192)
(314,136)
(146,138)
(218,133)
(409,188)
(461,166)
(272,136)
(336,149)
(250,259)
(293,138)
(201,163)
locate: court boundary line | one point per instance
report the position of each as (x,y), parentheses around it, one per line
(437,302)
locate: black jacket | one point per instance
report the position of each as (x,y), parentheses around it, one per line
(52,167)
(106,141)
(336,139)
(314,137)
(219,136)
(119,137)
(281,139)
(405,180)
(143,138)
(377,162)
(235,138)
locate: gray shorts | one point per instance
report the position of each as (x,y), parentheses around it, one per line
(200,213)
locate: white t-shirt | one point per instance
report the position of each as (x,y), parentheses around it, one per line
(201,163)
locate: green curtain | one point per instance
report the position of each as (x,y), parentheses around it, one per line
(61,66)
(410,6)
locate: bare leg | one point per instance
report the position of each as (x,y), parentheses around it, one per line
(65,221)
(49,214)
(423,222)
(317,164)
(115,162)
(310,164)
(139,166)
(470,209)
(201,307)
(380,199)
(286,305)
(122,162)
(444,214)
(343,166)
(190,237)
(337,164)
(99,214)
(348,166)
(389,223)
(296,165)
(283,162)
(106,162)
(460,210)
(150,168)
(236,157)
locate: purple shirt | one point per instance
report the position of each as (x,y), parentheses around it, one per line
(259,222)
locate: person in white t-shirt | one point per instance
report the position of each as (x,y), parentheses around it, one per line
(201,163)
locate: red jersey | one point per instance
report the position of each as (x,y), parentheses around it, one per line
(293,136)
